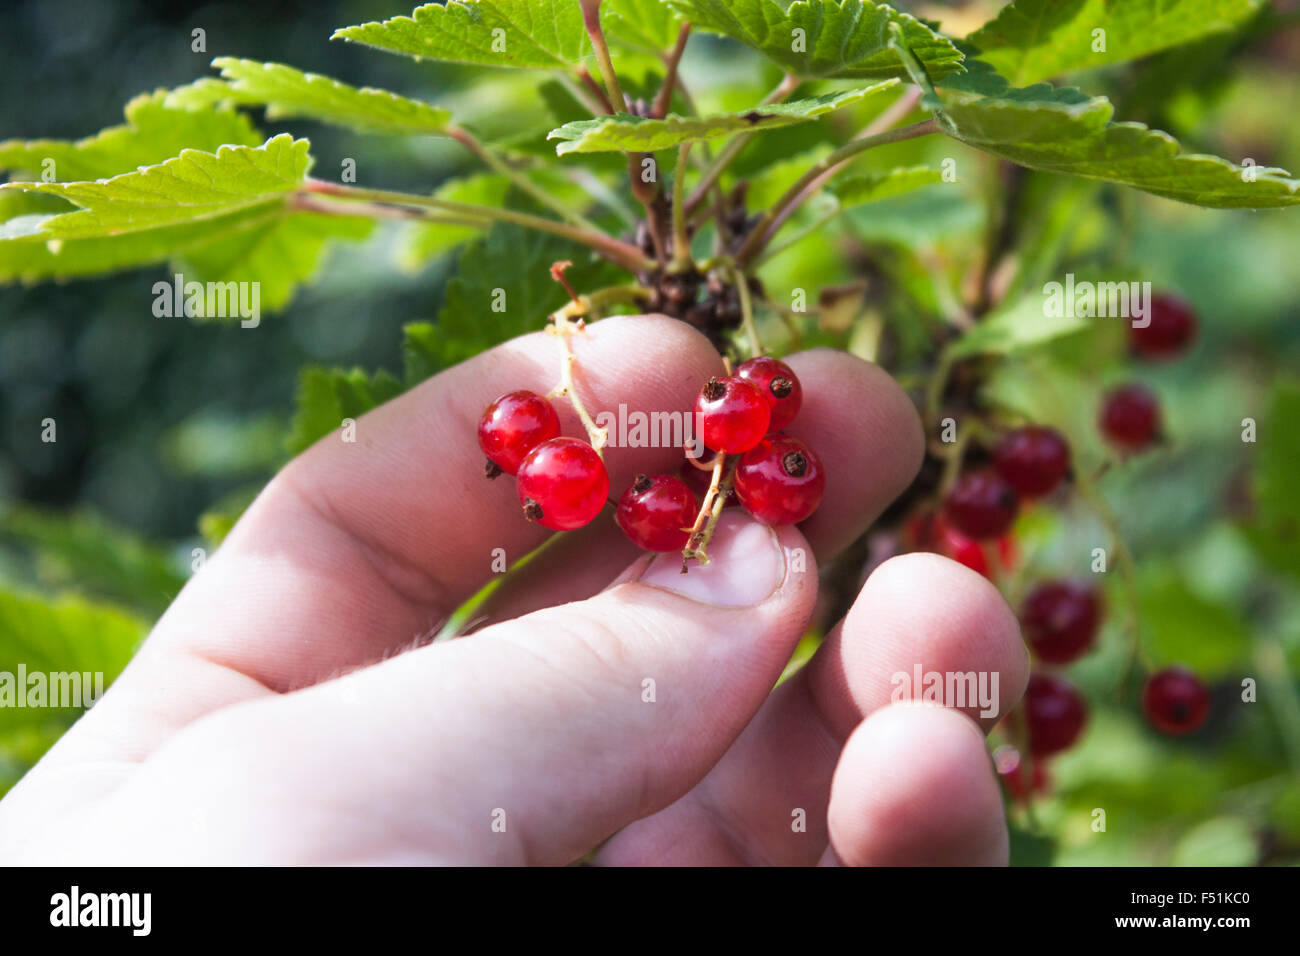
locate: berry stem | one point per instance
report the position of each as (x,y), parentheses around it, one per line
(562,327)
(706,522)
(581,90)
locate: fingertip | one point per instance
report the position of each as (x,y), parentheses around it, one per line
(915,787)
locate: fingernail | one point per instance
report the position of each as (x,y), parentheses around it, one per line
(746,564)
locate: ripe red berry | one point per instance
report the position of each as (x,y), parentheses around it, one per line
(1032,460)
(1130,417)
(1055,713)
(1169,331)
(562,484)
(514,425)
(657,513)
(1060,620)
(780,481)
(1014,779)
(732,415)
(779,385)
(1175,701)
(981,505)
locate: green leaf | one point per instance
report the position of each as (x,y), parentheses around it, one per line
(279,254)
(1063,130)
(1180,626)
(647,26)
(420,352)
(815,38)
(1032,40)
(287,92)
(485,304)
(423,242)
(63,634)
(192,187)
(870,187)
(83,550)
(154,131)
(327,396)
(1023,325)
(526,34)
(625,132)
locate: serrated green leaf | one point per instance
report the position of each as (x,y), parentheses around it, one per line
(1023,325)
(527,34)
(153,132)
(485,305)
(191,187)
(420,352)
(648,26)
(1063,130)
(625,132)
(288,93)
(813,38)
(871,187)
(326,396)
(1032,40)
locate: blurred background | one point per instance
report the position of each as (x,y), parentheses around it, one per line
(164,421)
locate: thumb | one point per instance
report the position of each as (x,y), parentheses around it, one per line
(535,739)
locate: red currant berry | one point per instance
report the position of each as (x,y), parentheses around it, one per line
(1060,620)
(780,480)
(981,505)
(562,484)
(514,425)
(779,385)
(1055,713)
(1170,329)
(1130,417)
(657,513)
(1032,460)
(1175,701)
(1013,777)
(732,415)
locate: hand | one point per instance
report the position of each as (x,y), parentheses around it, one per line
(288,708)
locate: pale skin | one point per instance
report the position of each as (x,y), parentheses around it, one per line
(287,709)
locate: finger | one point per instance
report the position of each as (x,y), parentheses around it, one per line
(857,419)
(915,787)
(359,549)
(918,609)
(563,726)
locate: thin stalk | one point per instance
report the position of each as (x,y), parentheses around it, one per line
(595,105)
(737,144)
(489,157)
(665,96)
(773,251)
(681,238)
(624,254)
(309,203)
(788,203)
(747,313)
(591,19)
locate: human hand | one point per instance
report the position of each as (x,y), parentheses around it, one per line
(285,709)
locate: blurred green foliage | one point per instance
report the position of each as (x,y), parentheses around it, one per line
(168,428)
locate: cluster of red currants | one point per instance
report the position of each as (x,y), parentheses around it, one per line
(562,482)
(1060,619)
